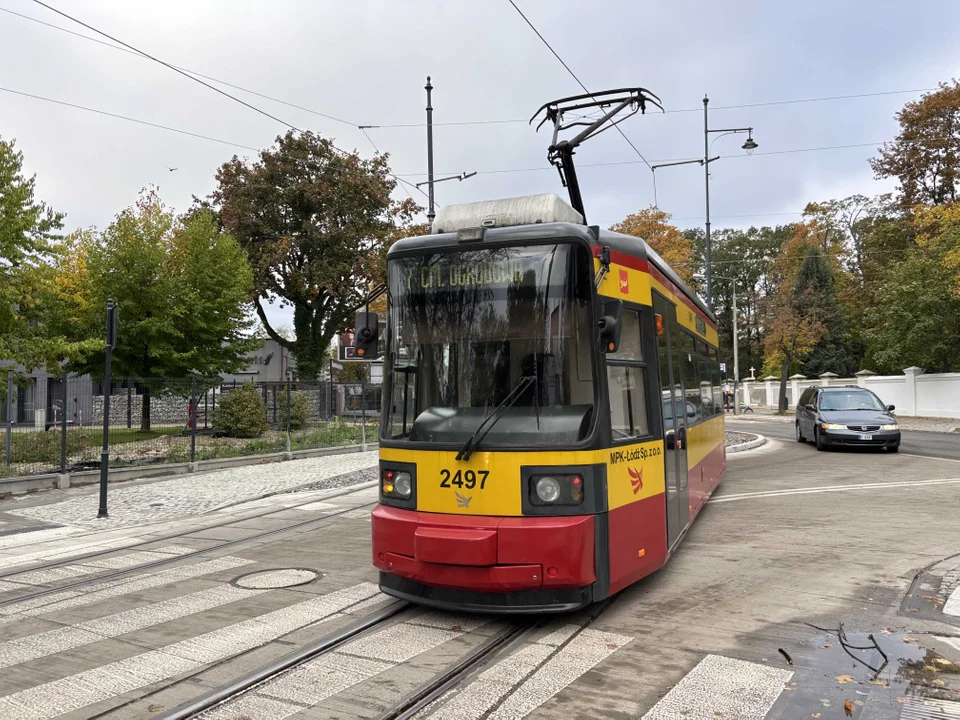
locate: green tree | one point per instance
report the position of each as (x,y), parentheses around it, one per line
(28,244)
(183,287)
(918,322)
(315,223)
(925,156)
(747,257)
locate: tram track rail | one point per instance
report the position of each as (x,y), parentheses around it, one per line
(254,678)
(418,703)
(413,705)
(174,559)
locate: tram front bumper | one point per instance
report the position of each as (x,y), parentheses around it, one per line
(512,562)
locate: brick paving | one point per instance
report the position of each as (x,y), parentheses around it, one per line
(197,494)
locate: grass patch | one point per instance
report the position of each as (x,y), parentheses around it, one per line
(44,447)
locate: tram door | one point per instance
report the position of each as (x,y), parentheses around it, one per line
(674,421)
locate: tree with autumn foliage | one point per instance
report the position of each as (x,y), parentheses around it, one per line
(315,223)
(800,312)
(653,226)
(183,287)
(29,242)
(925,156)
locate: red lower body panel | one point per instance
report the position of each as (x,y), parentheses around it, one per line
(638,540)
(704,478)
(484,553)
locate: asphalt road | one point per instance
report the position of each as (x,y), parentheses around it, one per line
(913,442)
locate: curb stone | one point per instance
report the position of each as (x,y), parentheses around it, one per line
(749,445)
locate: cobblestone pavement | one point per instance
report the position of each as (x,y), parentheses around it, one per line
(196,494)
(738,438)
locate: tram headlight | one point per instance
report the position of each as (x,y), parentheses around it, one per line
(548,489)
(397,486)
(403,484)
(556,490)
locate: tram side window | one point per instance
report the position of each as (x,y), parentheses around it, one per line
(628,401)
(630,348)
(706,388)
(691,384)
(717,385)
(626,381)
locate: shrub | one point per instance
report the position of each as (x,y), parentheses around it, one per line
(299,410)
(241,413)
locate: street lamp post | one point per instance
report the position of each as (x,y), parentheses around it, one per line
(736,358)
(749,146)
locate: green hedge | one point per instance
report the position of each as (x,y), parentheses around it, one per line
(299,410)
(241,413)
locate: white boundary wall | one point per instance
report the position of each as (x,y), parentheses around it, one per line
(914,393)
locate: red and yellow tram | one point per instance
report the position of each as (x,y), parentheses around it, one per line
(552,416)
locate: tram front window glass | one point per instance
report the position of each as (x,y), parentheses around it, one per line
(473,331)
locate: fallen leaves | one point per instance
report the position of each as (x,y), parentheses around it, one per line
(827,645)
(815,715)
(882,683)
(943,661)
(903,700)
(848,708)
(843,679)
(911,640)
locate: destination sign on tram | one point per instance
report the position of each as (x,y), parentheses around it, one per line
(465,274)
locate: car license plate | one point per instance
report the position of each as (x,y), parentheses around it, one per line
(864,437)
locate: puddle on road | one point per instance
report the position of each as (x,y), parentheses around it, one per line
(850,677)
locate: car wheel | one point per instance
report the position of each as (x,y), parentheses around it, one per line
(817,439)
(800,437)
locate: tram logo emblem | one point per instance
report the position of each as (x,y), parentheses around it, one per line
(624,281)
(636,479)
(463,501)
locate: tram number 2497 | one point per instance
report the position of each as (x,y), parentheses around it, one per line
(463,479)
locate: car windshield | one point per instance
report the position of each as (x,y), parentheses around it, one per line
(852,400)
(464,329)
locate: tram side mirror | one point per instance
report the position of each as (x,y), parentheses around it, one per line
(891,408)
(610,325)
(367,335)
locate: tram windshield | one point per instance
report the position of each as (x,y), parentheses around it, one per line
(473,331)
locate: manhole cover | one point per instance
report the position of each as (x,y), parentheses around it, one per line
(275,579)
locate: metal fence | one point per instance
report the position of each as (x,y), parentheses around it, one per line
(57,425)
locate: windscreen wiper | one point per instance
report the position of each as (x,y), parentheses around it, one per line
(483,428)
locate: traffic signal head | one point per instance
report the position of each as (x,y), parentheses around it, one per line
(367,335)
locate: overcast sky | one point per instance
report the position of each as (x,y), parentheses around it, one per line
(366,61)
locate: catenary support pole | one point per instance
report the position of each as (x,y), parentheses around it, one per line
(431,213)
(736,359)
(706,180)
(107,391)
